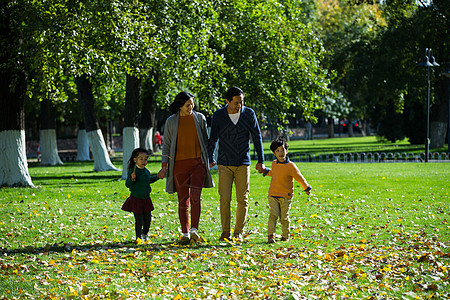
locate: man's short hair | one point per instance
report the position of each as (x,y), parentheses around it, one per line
(279,141)
(233,91)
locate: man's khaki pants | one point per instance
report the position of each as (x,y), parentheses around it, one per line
(241,177)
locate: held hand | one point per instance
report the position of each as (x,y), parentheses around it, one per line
(133,176)
(260,167)
(162,173)
(308,192)
(212,164)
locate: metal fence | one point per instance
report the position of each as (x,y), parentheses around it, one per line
(370,157)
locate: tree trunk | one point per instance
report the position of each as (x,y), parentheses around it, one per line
(439,117)
(146,139)
(13,87)
(130,142)
(331,127)
(47,135)
(147,117)
(131,113)
(437,134)
(82,145)
(350,128)
(102,161)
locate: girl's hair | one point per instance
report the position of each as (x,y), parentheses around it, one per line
(279,141)
(135,154)
(179,101)
(233,91)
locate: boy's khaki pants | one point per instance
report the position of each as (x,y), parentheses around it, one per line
(279,208)
(241,177)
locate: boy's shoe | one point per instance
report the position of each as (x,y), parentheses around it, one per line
(284,239)
(238,237)
(271,239)
(225,235)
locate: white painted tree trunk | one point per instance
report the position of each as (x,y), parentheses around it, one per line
(49,148)
(146,139)
(13,159)
(82,146)
(130,142)
(102,162)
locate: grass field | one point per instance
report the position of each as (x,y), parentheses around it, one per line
(368,231)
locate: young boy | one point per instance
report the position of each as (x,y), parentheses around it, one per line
(281,188)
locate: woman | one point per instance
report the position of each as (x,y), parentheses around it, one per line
(185,161)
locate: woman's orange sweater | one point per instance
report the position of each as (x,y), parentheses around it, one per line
(188,145)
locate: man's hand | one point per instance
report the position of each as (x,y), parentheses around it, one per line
(212,164)
(260,167)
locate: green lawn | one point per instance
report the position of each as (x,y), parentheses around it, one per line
(368,144)
(374,231)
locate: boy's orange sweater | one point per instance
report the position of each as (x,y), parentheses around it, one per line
(283,175)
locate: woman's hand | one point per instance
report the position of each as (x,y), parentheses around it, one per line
(212,164)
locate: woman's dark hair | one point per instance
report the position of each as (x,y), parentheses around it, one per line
(135,154)
(233,91)
(179,101)
(279,141)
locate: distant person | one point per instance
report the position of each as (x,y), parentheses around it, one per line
(308,131)
(281,188)
(232,126)
(157,141)
(185,161)
(139,203)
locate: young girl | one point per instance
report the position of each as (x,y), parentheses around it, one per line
(139,202)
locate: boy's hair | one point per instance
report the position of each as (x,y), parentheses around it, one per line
(179,101)
(279,141)
(233,91)
(135,154)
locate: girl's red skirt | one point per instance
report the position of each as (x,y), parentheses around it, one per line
(137,205)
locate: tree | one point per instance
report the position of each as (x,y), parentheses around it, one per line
(273,53)
(348,29)
(130,130)
(102,161)
(392,74)
(13,88)
(47,140)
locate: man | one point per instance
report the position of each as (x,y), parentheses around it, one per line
(232,126)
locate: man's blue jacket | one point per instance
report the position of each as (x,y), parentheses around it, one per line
(234,140)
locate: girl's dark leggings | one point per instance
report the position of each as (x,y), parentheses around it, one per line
(142,224)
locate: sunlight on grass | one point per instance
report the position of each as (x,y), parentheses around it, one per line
(367,231)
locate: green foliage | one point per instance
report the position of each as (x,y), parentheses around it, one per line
(274,55)
(369,229)
(384,74)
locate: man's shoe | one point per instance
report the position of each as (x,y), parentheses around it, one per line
(270,239)
(225,235)
(238,237)
(284,239)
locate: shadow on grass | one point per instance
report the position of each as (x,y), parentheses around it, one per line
(125,247)
(83,177)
